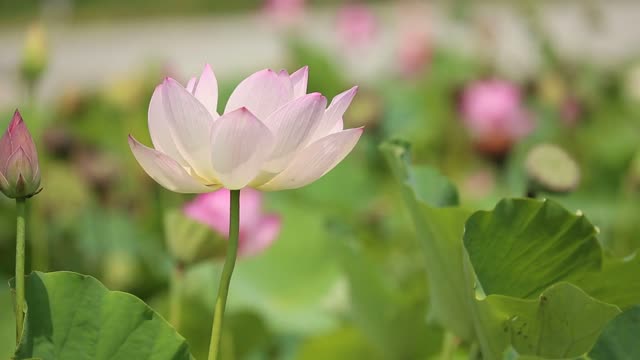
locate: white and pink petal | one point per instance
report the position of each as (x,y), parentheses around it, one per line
(299,80)
(315,160)
(332,118)
(190,125)
(292,125)
(262,93)
(240,145)
(206,91)
(166,171)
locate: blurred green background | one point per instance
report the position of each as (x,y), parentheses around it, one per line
(344,279)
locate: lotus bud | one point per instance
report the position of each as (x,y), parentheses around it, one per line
(34,58)
(19,169)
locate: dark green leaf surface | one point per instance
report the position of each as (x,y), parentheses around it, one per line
(73,316)
(619,339)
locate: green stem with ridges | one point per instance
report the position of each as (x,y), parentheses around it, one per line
(20,245)
(225,279)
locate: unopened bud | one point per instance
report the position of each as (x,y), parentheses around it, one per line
(35,55)
(19,168)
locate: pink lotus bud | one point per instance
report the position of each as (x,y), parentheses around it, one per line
(493,113)
(19,169)
(257,230)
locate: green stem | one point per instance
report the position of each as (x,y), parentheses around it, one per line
(449,345)
(225,279)
(20,235)
(175,294)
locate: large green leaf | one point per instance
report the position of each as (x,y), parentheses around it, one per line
(439,231)
(523,246)
(73,316)
(619,339)
(563,322)
(518,257)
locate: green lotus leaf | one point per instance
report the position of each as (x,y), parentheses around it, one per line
(73,316)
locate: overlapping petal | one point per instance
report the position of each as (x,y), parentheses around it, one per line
(272,135)
(206,90)
(292,125)
(190,125)
(332,119)
(166,171)
(315,160)
(262,93)
(299,80)
(240,144)
(160,128)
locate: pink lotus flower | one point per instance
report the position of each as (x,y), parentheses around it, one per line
(414,52)
(271,136)
(285,12)
(257,230)
(19,168)
(357,24)
(494,115)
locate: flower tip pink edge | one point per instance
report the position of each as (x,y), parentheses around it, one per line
(15,120)
(132,140)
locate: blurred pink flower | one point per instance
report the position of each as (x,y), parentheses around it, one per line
(493,113)
(257,230)
(285,13)
(357,24)
(19,167)
(414,52)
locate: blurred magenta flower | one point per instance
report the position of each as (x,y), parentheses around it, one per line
(19,168)
(257,230)
(494,114)
(285,12)
(357,24)
(271,136)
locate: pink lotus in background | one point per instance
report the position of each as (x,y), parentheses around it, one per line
(285,12)
(494,114)
(357,24)
(19,167)
(271,136)
(414,52)
(257,230)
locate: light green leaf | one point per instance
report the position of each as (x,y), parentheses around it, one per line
(73,316)
(619,339)
(523,246)
(518,257)
(563,322)
(390,313)
(342,344)
(617,283)
(439,231)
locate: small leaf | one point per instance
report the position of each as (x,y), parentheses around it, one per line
(619,339)
(73,316)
